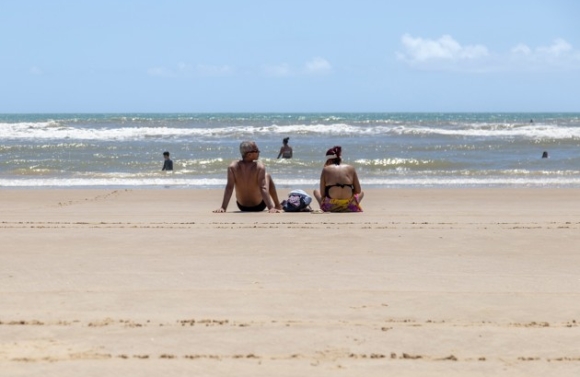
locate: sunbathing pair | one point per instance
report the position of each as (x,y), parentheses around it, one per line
(255,189)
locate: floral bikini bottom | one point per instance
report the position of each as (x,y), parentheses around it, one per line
(341,205)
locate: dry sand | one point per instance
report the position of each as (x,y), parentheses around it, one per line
(425,282)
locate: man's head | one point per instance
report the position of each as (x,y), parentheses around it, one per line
(247,147)
(166,154)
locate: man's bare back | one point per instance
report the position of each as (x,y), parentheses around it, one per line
(254,188)
(248,177)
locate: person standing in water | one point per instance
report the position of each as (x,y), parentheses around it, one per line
(285,150)
(167,164)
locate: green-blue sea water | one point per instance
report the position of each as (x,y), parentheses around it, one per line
(387,149)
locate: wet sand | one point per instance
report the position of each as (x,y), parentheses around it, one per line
(425,282)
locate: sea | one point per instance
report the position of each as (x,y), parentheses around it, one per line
(388,150)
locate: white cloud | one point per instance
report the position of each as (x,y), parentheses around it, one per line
(559,55)
(558,48)
(160,72)
(444,48)
(446,53)
(315,66)
(184,70)
(277,70)
(521,49)
(35,71)
(214,70)
(318,66)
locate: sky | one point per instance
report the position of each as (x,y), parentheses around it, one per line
(115,56)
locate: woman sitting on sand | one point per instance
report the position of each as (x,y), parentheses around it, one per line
(340,189)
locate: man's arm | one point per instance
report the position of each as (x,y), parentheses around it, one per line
(264,187)
(228,191)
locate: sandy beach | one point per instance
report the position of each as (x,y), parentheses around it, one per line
(425,282)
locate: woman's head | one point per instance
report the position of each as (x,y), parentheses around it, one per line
(285,140)
(333,155)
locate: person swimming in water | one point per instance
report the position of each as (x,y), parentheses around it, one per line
(285,150)
(340,189)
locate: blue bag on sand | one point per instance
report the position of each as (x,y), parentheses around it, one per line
(298,201)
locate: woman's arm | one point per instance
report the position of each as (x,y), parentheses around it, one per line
(355,182)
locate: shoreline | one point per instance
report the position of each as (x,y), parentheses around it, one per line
(289,187)
(438,282)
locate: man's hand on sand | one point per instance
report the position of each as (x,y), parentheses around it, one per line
(219,210)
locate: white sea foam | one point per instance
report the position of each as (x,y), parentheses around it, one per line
(111,182)
(390,162)
(499,131)
(52,130)
(297,183)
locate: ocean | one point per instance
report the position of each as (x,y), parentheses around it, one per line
(388,149)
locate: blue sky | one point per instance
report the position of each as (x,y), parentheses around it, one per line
(289,56)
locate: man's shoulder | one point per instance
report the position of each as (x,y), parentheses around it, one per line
(246,166)
(235,164)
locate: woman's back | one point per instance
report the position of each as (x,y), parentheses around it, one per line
(287,151)
(340,189)
(339,181)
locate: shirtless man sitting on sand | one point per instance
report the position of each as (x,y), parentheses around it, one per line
(255,189)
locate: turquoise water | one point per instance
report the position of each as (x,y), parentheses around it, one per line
(387,149)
